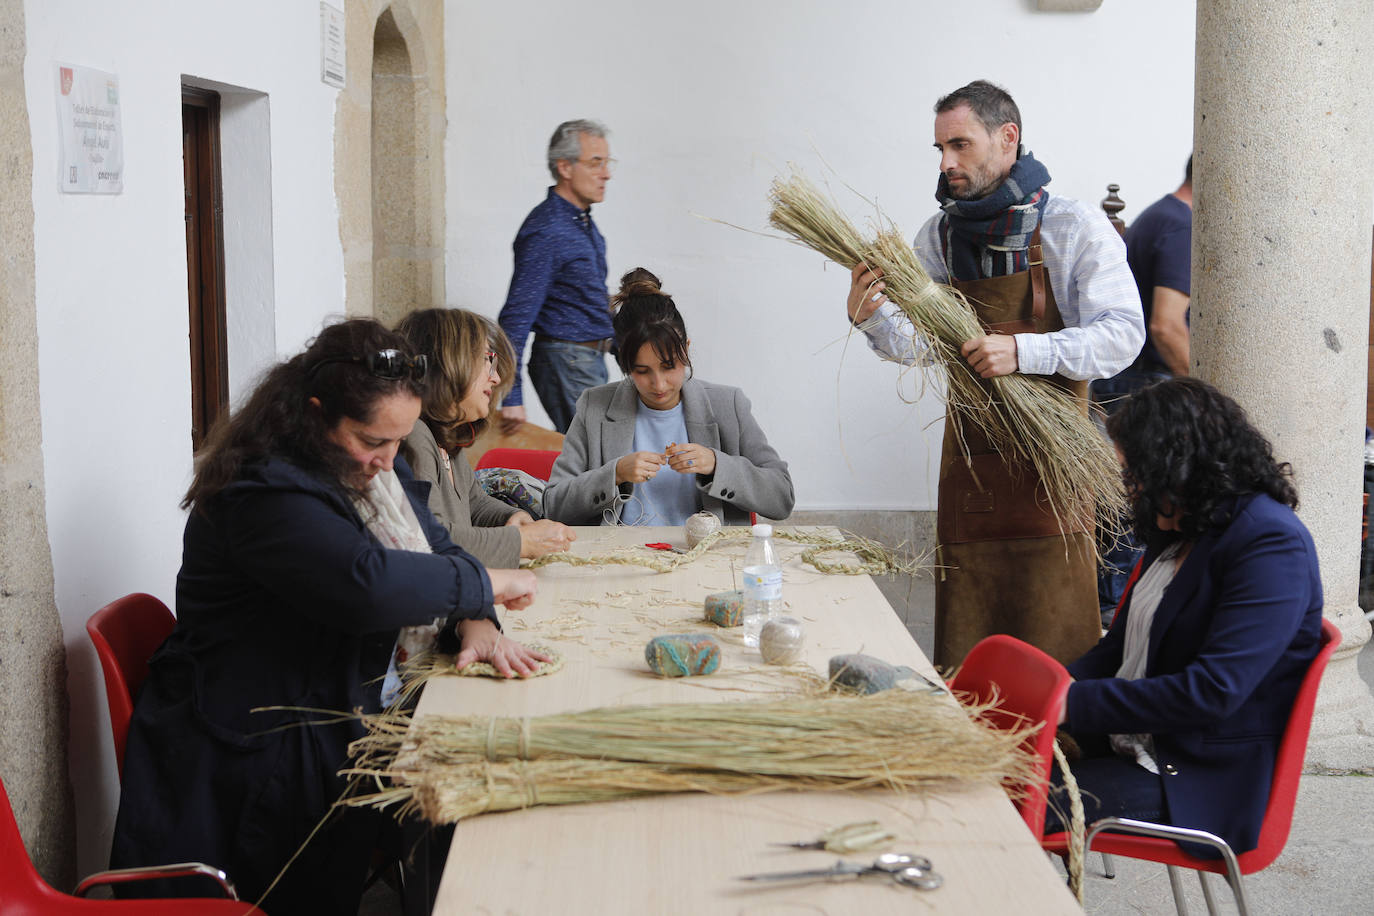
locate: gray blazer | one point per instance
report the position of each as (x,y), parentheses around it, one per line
(475,521)
(749,476)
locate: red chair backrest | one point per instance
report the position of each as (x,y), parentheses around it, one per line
(1283,792)
(1028,686)
(126,632)
(533,461)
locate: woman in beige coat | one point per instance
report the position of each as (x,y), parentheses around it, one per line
(468,358)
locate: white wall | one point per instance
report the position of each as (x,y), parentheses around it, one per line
(709,100)
(111,288)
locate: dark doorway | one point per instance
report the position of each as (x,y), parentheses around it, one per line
(204,259)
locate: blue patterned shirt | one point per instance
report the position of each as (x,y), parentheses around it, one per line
(559,284)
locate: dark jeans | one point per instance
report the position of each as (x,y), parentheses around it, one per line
(560,373)
(1111,786)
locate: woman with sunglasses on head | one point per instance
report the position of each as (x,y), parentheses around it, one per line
(307,554)
(1179,709)
(470,363)
(661,445)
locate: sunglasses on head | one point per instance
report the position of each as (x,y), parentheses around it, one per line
(392,365)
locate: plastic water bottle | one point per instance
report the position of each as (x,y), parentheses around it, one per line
(762,583)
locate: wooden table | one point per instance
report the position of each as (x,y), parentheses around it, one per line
(679,854)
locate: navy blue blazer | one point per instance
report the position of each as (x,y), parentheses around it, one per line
(1234,634)
(284,599)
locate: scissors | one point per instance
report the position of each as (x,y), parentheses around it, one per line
(662,545)
(848,838)
(908,870)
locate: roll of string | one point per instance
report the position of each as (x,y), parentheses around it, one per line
(700,526)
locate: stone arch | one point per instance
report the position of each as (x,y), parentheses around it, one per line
(389,158)
(403,254)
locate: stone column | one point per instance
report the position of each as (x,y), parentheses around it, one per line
(1283,183)
(33,660)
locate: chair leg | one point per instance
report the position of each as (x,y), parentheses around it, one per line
(1207,893)
(1233,878)
(1180,834)
(1176,885)
(1108,866)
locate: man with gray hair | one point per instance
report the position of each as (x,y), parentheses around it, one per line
(558,288)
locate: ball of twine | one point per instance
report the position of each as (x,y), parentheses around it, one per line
(780,640)
(699,526)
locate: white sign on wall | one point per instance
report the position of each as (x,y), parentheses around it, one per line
(331,46)
(91,152)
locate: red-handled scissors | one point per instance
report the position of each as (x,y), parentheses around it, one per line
(664,545)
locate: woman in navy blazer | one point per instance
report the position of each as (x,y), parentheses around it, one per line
(289,602)
(1236,623)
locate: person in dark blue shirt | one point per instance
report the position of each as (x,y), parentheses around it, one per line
(558,288)
(1159,249)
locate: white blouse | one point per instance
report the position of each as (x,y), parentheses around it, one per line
(1149,591)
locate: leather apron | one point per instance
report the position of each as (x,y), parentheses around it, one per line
(1007,564)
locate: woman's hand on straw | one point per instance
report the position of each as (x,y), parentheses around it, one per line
(865,293)
(543,537)
(482,642)
(637,467)
(515,588)
(991,355)
(691,458)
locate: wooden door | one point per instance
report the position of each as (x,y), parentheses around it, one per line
(204,260)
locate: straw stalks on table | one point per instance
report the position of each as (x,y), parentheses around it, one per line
(448,768)
(875,558)
(1026,418)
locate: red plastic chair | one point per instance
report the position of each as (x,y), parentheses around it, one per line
(533,461)
(1157,842)
(23,892)
(1027,686)
(126,633)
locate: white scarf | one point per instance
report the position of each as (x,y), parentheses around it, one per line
(388,514)
(1145,598)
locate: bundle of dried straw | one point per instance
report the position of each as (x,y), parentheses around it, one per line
(450,768)
(1026,418)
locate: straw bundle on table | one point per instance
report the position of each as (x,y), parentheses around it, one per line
(1026,418)
(449,768)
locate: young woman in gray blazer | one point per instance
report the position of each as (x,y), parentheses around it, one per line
(660,445)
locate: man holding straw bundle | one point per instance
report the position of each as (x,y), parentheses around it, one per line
(1048,279)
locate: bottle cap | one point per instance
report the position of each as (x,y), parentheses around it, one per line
(762,531)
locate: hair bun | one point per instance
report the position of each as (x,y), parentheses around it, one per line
(635,283)
(640,282)
(640,288)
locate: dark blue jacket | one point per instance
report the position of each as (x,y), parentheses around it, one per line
(558,287)
(1230,642)
(283,599)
